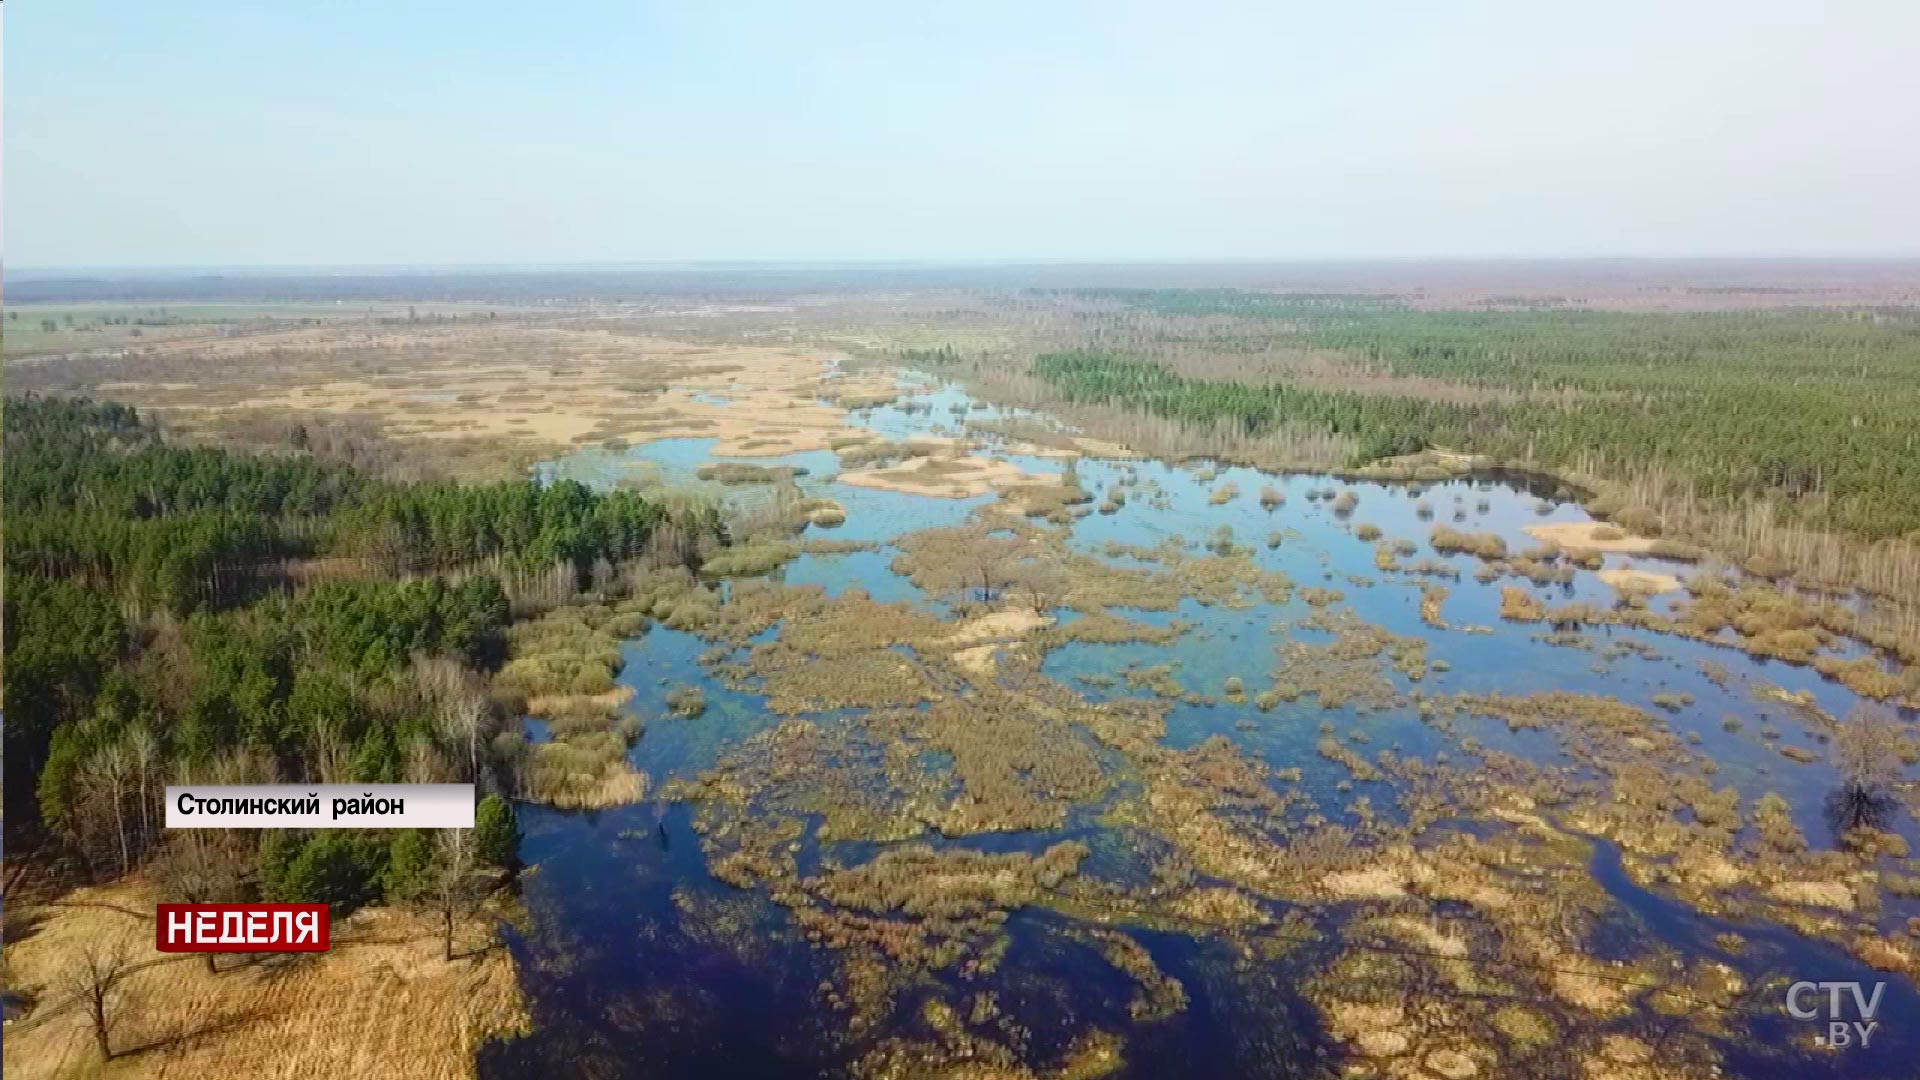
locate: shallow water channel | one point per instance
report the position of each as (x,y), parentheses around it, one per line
(639,963)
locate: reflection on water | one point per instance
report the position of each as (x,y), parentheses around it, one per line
(638,962)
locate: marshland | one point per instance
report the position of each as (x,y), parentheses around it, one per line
(1057,678)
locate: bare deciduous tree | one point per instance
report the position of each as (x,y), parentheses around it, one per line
(1040,586)
(1866,752)
(143,752)
(986,563)
(673,544)
(106,784)
(425,764)
(456,698)
(452,893)
(328,752)
(94,979)
(1866,747)
(206,866)
(240,765)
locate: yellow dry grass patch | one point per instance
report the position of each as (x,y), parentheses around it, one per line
(1644,582)
(1828,894)
(381,1003)
(1582,534)
(1423,935)
(944,477)
(1072,448)
(561,704)
(1051,453)
(977,640)
(997,626)
(531,387)
(1103,448)
(1371,883)
(977,660)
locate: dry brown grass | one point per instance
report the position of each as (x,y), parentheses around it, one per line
(381,1003)
(1590,536)
(1641,582)
(585,770)
(501,394)
(960,477)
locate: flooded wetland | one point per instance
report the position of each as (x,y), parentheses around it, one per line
(1028,756)
(917,687)
(949,543)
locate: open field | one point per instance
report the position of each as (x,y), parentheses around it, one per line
(383,1002)
(489,397)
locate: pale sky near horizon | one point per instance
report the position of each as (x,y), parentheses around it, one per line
(237,132)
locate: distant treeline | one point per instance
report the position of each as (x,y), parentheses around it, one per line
(1815,407)
(681,284)
(147,640)
(1361,280)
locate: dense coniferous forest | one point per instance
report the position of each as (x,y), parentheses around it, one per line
(1812,407)
(187,613)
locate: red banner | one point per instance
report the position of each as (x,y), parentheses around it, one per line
(243,928)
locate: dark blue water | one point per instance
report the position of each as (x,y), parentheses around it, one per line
(1772,959)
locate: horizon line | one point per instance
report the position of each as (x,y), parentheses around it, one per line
(942,262)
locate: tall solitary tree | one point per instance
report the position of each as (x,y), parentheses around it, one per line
(1866,754)
(452,894)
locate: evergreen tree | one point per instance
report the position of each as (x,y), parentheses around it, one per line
(409,871)
(496,832)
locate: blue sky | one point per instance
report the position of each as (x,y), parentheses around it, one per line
(220,132)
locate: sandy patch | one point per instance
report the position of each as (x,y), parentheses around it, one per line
(1645,582)
(1580,534)
(1071,448)
(1102,448)
(977,660)
(1050,453)
(998,626)
(977,640)
(943,477)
